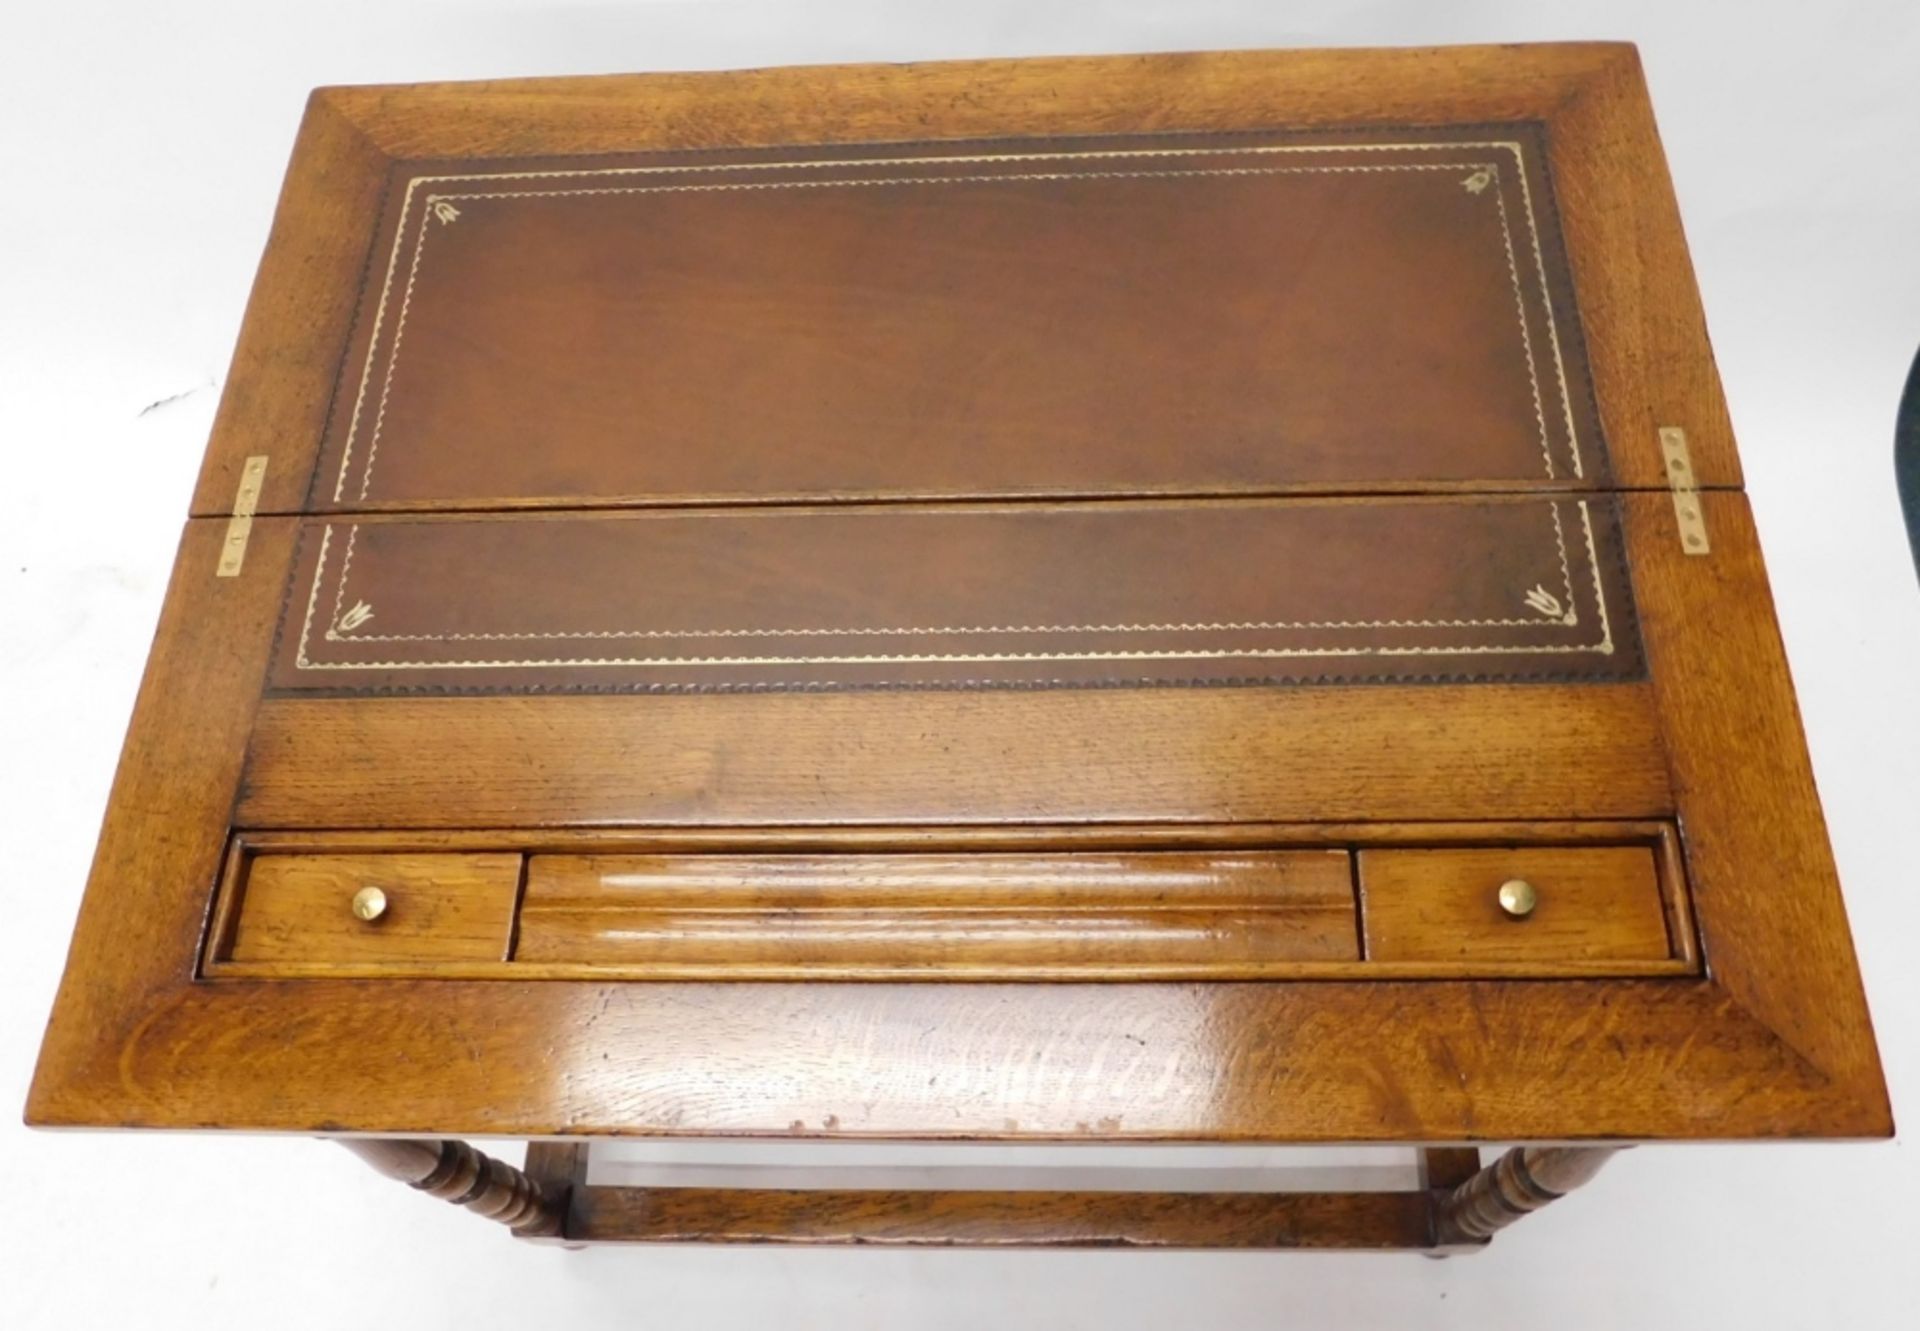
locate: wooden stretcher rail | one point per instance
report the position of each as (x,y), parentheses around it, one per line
(1003,1219)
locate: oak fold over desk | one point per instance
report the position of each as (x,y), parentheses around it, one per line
(1194,598)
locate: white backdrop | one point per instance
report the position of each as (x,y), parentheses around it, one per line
(143,146)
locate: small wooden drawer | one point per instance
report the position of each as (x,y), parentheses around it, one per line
(1563,905)
(371,908)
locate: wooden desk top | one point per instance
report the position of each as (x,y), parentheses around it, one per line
(1179,597)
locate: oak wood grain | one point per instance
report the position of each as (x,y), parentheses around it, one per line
(1381,753)
(972,99)
(990,914)
(1767,1037)
(1003,1219)
(1593,902)
(278,388)
(1065,970)
(436,907)
(1443,1061)
(149,890)
(1764,888)
(1645,330)
(1054,838)
(1080,903)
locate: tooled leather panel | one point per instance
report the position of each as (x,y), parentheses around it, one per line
(1170,314)
(971,596)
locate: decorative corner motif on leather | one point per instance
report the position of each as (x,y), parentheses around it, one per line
(356,615)
(1549,605)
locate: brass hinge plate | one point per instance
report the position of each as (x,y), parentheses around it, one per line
(233,551)
(1686,497)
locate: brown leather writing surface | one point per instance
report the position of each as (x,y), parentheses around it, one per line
(1147,317)
(1186,314)
(1163,593)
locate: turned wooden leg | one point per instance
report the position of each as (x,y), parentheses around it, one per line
(454,1172)
(1519,1182)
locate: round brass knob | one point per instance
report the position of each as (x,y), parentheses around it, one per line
(369,904)
(1518,898)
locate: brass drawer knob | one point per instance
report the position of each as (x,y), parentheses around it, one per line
(1518,898)
(369,904)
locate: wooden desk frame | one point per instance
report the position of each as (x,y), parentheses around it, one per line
(1771,1040)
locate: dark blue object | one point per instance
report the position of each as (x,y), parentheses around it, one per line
(1906,458)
